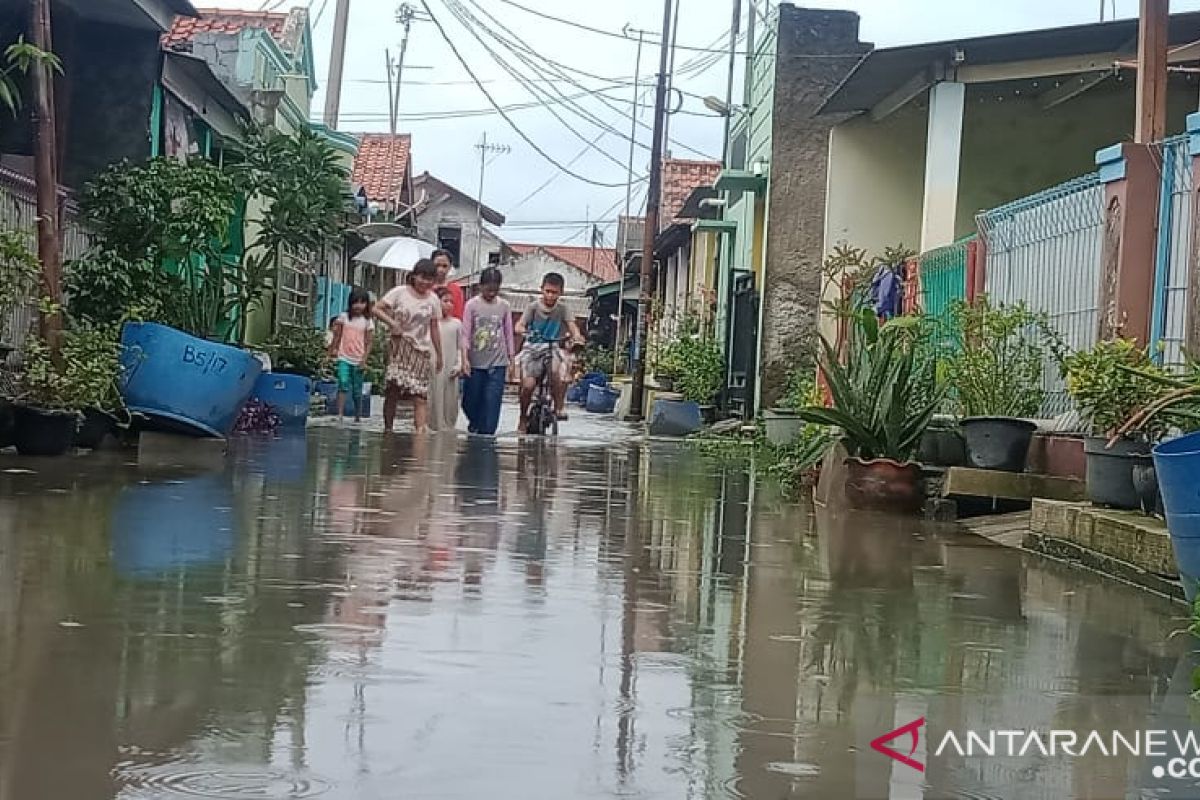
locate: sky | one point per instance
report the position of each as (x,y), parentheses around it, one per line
(588,132)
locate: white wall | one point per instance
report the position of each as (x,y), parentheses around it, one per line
(453,211)
(526,272)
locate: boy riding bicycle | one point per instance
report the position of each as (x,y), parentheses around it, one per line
(542,325)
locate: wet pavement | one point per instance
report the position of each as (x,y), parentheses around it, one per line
(353,616)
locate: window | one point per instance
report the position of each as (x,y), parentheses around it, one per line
(449,237)
(494,258)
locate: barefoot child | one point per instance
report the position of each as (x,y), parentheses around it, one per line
(444,390)
(488,330)
(411,312)
(351,343)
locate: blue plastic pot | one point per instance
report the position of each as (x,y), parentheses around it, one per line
(183,383)
(601,399)
(674,418)
(1177,463)
(289,395)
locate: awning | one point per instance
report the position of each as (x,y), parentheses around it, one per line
(633,289)
(191,80)
(672,239)
(740,180)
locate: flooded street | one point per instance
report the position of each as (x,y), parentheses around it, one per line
(350,616)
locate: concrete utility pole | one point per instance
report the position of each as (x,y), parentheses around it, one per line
(485,149)
(337,64)
(735,32)
(46,175)
(405,15)
(652,204)
(623,245)
(1153,25)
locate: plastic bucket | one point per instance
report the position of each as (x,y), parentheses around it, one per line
(183,383)
(288,394)
(1110,471)
(601,399)
(1177,463)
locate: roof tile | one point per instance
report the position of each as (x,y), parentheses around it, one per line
(600,262)
(221,20)
(381,165)
(679,179)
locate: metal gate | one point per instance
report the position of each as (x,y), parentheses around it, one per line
(743,350)
(1169,321)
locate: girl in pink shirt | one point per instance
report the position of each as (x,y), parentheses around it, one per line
(350,346)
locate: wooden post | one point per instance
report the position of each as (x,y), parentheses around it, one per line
(1151,123)
(46,176)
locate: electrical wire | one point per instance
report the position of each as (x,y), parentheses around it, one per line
(508,119)
(516,45)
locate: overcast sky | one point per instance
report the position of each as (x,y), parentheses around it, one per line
(437,88)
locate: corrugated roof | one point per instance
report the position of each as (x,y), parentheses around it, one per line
(381,165)
(599,262)
(679,179)
(884,70)
(223,20)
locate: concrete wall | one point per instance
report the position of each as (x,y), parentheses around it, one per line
(526,272)
(800,147)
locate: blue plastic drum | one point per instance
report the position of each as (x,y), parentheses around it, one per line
(290,396)
(1177,463)
(184,383)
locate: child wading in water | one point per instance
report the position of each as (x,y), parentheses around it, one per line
(488,330)
(544,322)
(444,390)
(350,345)
(412,312)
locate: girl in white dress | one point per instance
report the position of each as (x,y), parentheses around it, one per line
(444,394)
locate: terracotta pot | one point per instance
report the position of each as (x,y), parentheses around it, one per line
(883,485)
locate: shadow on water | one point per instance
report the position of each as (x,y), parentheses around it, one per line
(356,616)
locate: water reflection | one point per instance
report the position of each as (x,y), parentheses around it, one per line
(450,617)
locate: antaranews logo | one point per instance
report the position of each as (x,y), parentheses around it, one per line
(880,744)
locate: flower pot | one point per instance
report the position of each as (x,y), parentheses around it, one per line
(1145,483)
(674,418)
(93,427)
(782,425)
(942,446)
(183,383)
(883,485)
(1177,463)
(708,414)
(999,443)
(43,432)
(1110,471)
(6,423)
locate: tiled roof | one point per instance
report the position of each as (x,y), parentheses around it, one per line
(599,262)
(221,20)
(680,179)
(381,165)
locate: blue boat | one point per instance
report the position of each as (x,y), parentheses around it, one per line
(183,383)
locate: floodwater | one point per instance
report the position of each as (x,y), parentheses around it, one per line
(350,616)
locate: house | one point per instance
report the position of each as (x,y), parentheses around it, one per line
(771,234)
(582,268)
(454,221)
(686,259)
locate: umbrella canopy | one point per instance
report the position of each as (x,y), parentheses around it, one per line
(395,252)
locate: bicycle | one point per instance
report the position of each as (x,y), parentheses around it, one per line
(543,413)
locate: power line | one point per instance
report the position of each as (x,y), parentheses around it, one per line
(516,128)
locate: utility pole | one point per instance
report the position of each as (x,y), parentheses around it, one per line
(623,245)
(735,32)
(337,64)
(1151,120)
(485,149)
(652,204)
(405,16)
(45,157)
(671,79)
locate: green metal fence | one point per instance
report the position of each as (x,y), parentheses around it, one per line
(944,278)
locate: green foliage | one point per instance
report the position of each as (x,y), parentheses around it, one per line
(104,288)
(19,270)
(1112,381)
(701,368)
(85,374)
(300,351)
(997,367)
(595,358)
(800,390)
(879,391)
(20,57)
(376,367)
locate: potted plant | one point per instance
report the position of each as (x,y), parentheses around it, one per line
(92,365)
(882,402)
(18,274)
(700,375)
(1109,384)
(996,376)
(782,424)
(45,409)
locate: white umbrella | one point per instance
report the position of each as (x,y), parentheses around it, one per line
(395,252)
